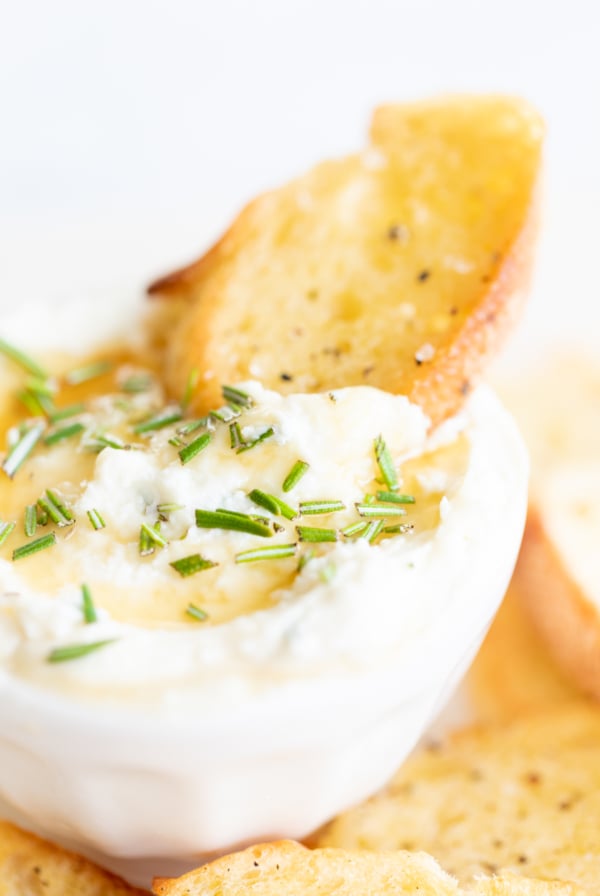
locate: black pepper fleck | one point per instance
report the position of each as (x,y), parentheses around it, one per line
(424,275)
(398,233)
(367,371)
(286,377)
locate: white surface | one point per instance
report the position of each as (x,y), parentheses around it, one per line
(132,129)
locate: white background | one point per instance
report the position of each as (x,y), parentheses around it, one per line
(130,130)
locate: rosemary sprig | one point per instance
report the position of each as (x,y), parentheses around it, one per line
(22,359)
(150,538)
(76,651)
(395,498)
(235,435)
(21,450)
(272,504)
(379,511)
(136,383)
(158,421)
(196,613)
(5,530)
(59,414)
(401,529)
(166,509)
(67,432)
(312,508)
(190,451)
(32,547)
(189,566)
(237,397)
(355,529)
(372,531)
(56,509)
(31,520)
(191,383)
(386,464)
(96,520)
(237,522)
(89,610)
(315,535)
(267,434)
(226,413)
(273,552)
(88,372)
(99,442)
(295,475)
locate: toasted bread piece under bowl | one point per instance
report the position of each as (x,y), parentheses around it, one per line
(288,869)
(30,866)
(558,574)
(402,267)
(520,797)
(248,724)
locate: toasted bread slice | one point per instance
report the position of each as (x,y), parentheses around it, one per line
(32,867)
(558,573)
(400,268)
(513,673)
(522,798)
(288,869)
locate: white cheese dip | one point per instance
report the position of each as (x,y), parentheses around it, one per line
(302,690)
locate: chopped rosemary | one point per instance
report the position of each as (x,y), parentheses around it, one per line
(32,547)
(379,511)
(273,552)
(236,396)
(295,475)
(327,572)
(66,432)
(5,530)
(312,534)
(166,509)
(191,426)
(31,520)
(89,610)
(75,651)
(267,434)
(56,509)
(395,498)
(188,566)
(386,464)
(226,413)
(159,421)
(177,442)
(88,372)
(23,360)
(191,383)
(305,558)
(272,504)
(136,383)
(355,529)
(196,613)
(150,538)
(98,443)
(21,450)
(372,531)
(311,508)
(95,519)
(237,522)
(37,405)
(190,451)
(235,435)
(41,387)
(401,529)
(64,413)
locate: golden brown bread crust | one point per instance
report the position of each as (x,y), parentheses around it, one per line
(565,619)
(513,673)
(489,305)
(30,865)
